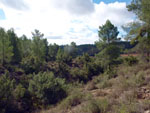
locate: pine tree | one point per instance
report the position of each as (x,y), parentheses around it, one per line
(5,48)
(38,46)
(52,52)
(142,33)
(25,46)
(108,33)
(109,52)
(16,46)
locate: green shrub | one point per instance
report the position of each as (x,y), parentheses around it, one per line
(96,106)
(47,89)
(103,82)
(31,64)
(130,60)
(137,80)
(109,55)
(74,99)
(78,74)
(86,72)
(62,71)
(19,92)
(92,107)
(6,98)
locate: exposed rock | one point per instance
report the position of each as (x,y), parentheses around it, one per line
(144,93)
(148,111)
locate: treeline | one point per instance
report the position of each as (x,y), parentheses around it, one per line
(92,49)
(35,74)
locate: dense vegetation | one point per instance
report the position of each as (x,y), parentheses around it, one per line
(35,75)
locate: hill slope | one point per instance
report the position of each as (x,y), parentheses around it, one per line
(129,92)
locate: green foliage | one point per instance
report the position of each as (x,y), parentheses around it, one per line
(19,92)
(109,51)
(143,47)
(6,87)
(87,48)
(92,107)
(108,55)
(75,98)
(6,50)
(52,52)
(46,88)
(133,30)
(96,106)
(14,98)
(31,64)
(141,9)
(103,81)
(108,33)
(63,71)
(63,56)
(86,68)
(16,58)
(46,49)
(138,79)
(78,74)
(39,46)
(130,60)
(84,59)
(71,50)
(25,46)
(66,54)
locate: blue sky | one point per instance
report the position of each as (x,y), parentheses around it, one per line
(63,21)
(2,15)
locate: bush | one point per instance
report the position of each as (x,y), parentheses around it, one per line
(109,55)
(78,74)
(19,92)
(130,60)
(22,99)
(62,71)
(6,98)
(46,89)
(87,71)
(103,81)
(31,64)
(74,99)
(92,107)
(13,98)
(96,106)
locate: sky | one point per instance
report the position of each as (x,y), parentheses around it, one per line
(63,21)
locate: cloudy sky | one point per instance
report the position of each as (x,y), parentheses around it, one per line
(63,21)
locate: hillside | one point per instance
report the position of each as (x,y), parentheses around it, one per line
(128,92)
(111,76)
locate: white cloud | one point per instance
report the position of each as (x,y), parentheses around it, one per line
(64,21)
(79,7)
(116,12)
(16,4)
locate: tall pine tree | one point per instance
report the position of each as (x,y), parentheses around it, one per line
(39,46)
(6,50)
(15,44)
